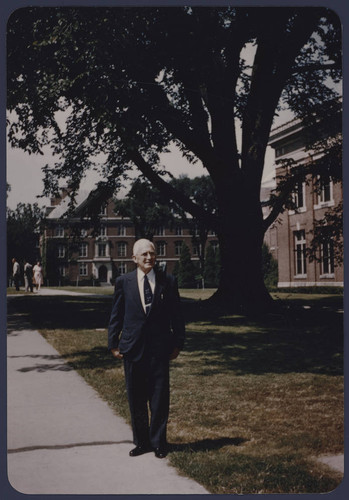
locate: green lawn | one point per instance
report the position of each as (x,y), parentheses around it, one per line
(253,403)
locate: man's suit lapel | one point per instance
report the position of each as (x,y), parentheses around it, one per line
(134,289)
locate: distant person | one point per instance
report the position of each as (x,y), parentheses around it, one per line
(38,276)
(16,273)
(146,312)
(28,276)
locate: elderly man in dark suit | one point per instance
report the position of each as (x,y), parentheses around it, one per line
(146,330)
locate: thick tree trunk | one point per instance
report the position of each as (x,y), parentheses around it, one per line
(240,234)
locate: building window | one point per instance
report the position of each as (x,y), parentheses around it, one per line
(215,245)
(122,249)
(298,195)
(161,248)
(103,209)
(102,249)
(178,248)
(83,269)
(83,250)
(61,270)
(325,190)
(196,249)
(59,232)
(213,233)
(122,268)
(327,258)
(61,251)
(179,231)
(122,230)
(103,231)
(300,253)
(83,233)
(160,231)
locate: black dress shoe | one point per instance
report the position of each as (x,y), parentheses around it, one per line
(139,450)
(160,452)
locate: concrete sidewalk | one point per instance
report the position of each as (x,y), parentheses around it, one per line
(63,439)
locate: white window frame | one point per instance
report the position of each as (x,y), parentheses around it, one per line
(102,253)
(122,268)
(83,250)
(196,249)
(178,248)
(122,249)
(299,205)
(61,251)
(161,248)
(320,196)
(160,231)
(59,231)
(122,230)
(179,231)
(62,270)
(327,270)
(83,269)
(103,210)
(103,231)
(215,245)
(299,253)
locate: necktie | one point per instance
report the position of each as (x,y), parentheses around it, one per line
(148,294)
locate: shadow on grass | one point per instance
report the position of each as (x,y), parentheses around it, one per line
(207,444)
(55,312)
(295,339)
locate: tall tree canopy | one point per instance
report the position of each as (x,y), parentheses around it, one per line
(132,81)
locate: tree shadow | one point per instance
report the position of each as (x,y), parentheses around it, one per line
(43,368)
(206,444)
(66,312)
(294,338)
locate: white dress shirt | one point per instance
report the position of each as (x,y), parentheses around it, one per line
(140,278)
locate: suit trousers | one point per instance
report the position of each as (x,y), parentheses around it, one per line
(147,382)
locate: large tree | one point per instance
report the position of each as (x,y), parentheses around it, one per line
(133,81)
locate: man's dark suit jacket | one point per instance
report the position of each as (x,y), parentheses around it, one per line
(161,330)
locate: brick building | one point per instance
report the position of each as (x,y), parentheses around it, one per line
(76,251)
(291,234)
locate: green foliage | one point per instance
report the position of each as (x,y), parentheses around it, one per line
(23,231)
(329,228)
(212,267)
(269,268)
(146,207)
(186,270)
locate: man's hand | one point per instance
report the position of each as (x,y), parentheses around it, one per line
(116,353)
(174,353)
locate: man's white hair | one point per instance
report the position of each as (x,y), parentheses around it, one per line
(140,243)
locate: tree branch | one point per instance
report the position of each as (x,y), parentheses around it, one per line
(314,67)
(172,119)
(168,190)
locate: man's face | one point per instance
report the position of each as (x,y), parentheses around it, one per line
(145,257)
